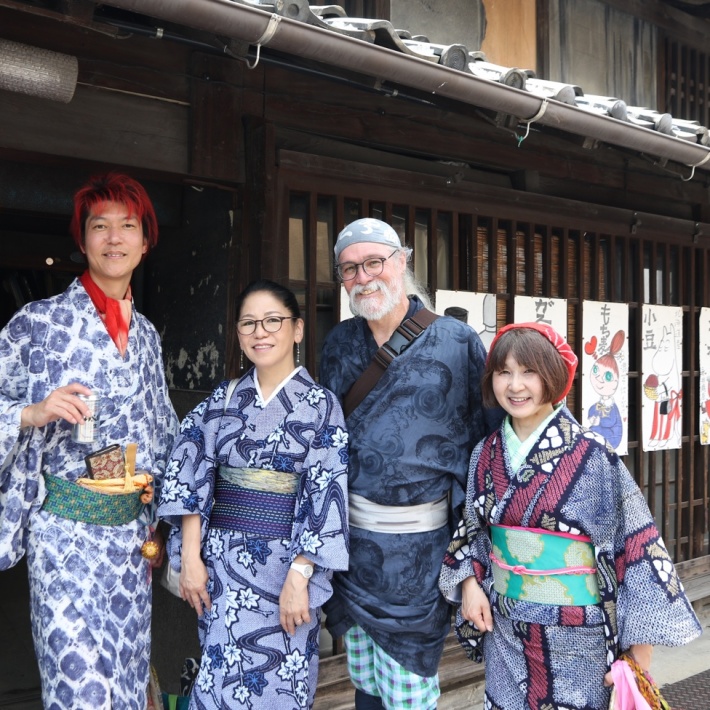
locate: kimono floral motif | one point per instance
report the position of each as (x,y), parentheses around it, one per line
(314,396)
(548,656)
(247,657)
(90,589)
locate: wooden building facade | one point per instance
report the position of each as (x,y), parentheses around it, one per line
(254,166)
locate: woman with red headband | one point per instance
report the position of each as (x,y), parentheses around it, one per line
(557,567)
(90,589)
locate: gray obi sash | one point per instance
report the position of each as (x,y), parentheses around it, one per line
(425,517)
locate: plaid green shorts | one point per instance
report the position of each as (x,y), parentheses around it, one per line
(376,673)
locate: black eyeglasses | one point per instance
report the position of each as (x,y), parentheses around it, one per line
(372,267)
(272,324)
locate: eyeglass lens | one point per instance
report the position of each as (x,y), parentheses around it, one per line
(372,267)
(272,324)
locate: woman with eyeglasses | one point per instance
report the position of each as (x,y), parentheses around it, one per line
(256,492)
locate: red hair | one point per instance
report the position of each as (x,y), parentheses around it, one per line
(114,187)
(609,359)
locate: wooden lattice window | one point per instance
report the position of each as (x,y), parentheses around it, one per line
(498,251)
(685,83)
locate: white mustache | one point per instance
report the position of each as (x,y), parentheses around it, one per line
(372,286)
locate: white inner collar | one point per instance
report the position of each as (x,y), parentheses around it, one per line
(277,389)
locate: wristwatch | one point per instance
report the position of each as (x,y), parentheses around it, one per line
(305,570)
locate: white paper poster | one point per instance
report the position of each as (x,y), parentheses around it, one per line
(345,311)
(661,377)
(551,311)
(476,309)
(605,371)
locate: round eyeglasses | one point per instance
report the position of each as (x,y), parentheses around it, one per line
(372,267)
(271,324)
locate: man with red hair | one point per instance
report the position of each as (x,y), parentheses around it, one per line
(90,590)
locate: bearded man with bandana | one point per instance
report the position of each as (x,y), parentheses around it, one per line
(410,440)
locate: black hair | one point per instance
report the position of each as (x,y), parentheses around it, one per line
(284,295)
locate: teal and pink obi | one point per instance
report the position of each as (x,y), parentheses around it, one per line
(255,500)
(535,565)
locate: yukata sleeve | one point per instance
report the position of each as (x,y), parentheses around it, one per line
(188,483)
(466,556)
(320,529)
(166,424)
(21,487)
(651,605)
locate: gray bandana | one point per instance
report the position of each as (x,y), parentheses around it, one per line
(366,230)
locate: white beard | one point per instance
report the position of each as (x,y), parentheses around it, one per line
(376,309)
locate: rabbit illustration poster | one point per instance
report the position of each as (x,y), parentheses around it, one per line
(476,309)
(704,361)
(605,371)
(661,377)
(552,311)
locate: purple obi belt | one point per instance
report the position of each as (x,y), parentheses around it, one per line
(256,501)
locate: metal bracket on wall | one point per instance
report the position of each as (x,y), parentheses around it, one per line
(635,223)
(697,165)
(529,121)
(268,35)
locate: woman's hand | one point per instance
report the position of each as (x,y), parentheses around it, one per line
(642,654)
(62,403)
(475,606)
(293,602)
(147,495)
(193,573)
(193,584)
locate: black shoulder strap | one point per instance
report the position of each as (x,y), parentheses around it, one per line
(407,332)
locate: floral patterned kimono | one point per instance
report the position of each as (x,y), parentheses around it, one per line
(545,656)
(90,589)
(248,660)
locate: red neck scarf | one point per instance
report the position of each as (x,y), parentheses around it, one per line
(116,314)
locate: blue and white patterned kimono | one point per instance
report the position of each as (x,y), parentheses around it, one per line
(90,589)
(247,658)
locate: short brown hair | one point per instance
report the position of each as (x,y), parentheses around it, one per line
(533,350)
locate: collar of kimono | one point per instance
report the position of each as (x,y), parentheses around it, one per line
(561,345)
(116,314)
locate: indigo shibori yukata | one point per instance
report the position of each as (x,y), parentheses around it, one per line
(288,457)
(90,588)
(562,542)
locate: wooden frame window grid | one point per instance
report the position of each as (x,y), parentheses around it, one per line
(686,81)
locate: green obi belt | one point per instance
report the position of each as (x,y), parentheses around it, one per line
(72,501)
(534,565)
(255,500)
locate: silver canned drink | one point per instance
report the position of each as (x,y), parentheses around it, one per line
(87,431)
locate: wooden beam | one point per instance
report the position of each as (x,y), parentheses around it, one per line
(217,137)
(98,126)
